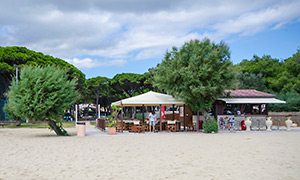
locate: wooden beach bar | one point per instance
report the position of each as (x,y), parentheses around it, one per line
(151,99)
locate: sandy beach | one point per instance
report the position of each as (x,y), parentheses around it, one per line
(40,154)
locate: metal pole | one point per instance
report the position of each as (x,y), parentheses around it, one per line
(99,111)
(121,117)
(16,73)
(76,114)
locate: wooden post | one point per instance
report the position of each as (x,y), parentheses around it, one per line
(260,108)
(160,122)
(184,117)
(242,109)
(143,107)
(121,117)
(197,123)
(173,113)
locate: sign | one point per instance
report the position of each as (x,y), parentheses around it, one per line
(226,122)
(181,111)
(86,105)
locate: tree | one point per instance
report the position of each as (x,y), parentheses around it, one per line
(129,85)
(98,88)
(22,56)
(251,81)
(42,93)
(197,73)
(292,104)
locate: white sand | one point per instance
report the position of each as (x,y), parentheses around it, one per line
(40,154)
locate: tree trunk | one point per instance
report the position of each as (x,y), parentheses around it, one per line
(57,129)
(134,112)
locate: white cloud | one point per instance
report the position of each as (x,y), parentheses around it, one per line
(133,29)
(88,63)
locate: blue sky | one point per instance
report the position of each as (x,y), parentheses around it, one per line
(107,37)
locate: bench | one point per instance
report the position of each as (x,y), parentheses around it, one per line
(5,123)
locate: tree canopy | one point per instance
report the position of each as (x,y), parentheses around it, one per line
(98,88)
(42,93)
(21,56)
(279,77)
(197,73)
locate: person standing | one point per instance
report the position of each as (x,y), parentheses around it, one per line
(152,119)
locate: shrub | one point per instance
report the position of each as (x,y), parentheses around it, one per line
(210,126)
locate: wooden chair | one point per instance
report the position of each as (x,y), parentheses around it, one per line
(119,127)
(135,128)
(171,126)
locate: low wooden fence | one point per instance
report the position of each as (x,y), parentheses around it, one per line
(281,117)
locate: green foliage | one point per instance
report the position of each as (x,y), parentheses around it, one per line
(128,84)
(98,88)
(210,126)
(112,119)
(292,102)
(22,56)
(42,93)
(197,73)
(248,80)
(276,75)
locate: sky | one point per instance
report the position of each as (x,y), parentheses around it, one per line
(109,37)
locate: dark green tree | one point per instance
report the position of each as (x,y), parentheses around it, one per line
(251,81)
(292,104)
(197,73)
(128,84)
(98,88)
(21,56)
(42,93)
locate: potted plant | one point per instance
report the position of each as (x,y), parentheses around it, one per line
(112,122)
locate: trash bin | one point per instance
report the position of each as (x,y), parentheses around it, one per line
(81,129)
(200,124)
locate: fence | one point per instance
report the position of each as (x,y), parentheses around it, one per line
(281,117)
(3,116)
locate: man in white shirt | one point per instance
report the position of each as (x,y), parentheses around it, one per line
(152,119)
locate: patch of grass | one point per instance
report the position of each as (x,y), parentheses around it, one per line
(40,125)
(93,123)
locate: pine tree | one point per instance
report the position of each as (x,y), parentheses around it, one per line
(42,93)
(197,73)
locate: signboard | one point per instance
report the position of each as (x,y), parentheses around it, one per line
(181,111)
(87,106)
(226,122)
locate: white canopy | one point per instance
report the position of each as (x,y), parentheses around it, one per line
(252,101)
(149,99)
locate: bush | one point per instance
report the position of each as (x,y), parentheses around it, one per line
(210,126)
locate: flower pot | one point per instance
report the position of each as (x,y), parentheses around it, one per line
(269,123)
(248,123)
(112,130)
(288,123)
